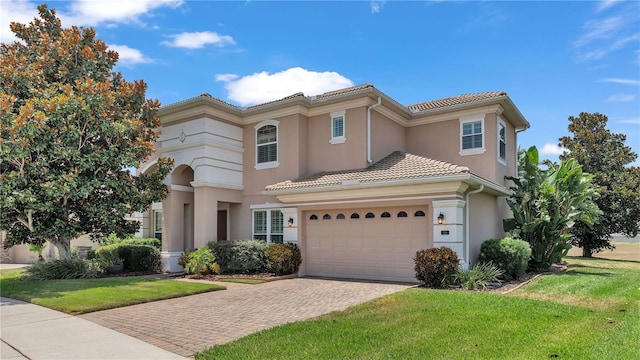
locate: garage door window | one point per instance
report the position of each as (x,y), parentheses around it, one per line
(419,213)
(370,215)
(267,226)
(385,215)
(355,216)
(340,216)
(326,217)
(402,214)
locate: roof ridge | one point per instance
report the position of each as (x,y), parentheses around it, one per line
(455,100)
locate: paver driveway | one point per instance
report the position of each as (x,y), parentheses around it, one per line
(193,323)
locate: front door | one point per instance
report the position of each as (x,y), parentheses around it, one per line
(222,225)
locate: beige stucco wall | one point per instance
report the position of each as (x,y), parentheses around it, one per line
(352,154)
(20,254)
(485,221)
(387,136)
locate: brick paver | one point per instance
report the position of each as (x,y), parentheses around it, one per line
(193,323)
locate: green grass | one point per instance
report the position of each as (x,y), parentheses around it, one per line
(590,312)
(88,295)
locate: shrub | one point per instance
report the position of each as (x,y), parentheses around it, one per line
(246,256)
(480,276)
(109,255)
(153,242)
(201,262)
(283,259)
(184,258)
(435,267)
(510,255)
(64,269)
(134,257)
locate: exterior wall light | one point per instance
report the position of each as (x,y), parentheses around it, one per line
(441,219)
(290,222)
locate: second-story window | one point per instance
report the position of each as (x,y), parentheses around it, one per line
(502,142)
(267,144)
(338,127)
(472,136)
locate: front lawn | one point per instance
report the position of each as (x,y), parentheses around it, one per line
(88,295)
(540,321)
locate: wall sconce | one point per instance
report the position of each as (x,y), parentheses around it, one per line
(290,222)
(441,219)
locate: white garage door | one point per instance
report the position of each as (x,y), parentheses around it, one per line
(376,244)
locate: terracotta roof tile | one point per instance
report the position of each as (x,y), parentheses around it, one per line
(455,100)
(396,166)
(343,91)
(298,94)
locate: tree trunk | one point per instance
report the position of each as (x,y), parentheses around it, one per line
(586,252)
(64,248)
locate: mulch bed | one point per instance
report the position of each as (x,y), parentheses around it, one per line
(216,277)
(509,286)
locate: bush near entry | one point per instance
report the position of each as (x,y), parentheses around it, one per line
(510,255)
(240,256)
(436,267)
(135,257)
(283,259)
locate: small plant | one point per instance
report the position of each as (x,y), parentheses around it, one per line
(480,277)
(64,269)
(436,267)
(201,262)
(37,248)
(184,258)
(510,255)
(283,259)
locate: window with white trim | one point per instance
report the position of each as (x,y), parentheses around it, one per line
(472,136)
(338,127)
(268,226)
(157,225)
(502,142)
(267,144)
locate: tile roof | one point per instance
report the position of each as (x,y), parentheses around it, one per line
(396,166)
(343,91)
(455,100)
(293,96)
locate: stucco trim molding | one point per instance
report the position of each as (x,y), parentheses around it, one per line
(184,188)
(197,184)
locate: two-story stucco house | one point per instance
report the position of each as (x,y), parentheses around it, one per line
(357,180)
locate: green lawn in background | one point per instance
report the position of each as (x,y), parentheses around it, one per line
(88,295)
(590,312)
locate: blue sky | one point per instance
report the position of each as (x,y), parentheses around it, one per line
(554,59)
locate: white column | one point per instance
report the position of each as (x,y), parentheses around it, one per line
(451,232)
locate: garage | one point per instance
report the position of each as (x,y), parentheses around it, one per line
(375,244)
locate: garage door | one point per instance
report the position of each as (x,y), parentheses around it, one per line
(376,244)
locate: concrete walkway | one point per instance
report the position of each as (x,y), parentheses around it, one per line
(190,324)
(34,332)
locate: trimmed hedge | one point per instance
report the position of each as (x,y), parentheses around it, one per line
(136,257)
(283,259)
(510,255)
(153,242)
(240,257)
(64,269)
(436,267)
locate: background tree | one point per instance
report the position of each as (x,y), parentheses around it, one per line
(546,204)
(604,155)
(69,126)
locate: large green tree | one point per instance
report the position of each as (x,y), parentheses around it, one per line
(604,155)
(546,204)
(69,128)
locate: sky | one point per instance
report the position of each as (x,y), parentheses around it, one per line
(554,59)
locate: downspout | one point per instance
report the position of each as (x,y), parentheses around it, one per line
(369,129)
(467,223)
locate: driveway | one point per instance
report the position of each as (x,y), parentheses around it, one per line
(193,323)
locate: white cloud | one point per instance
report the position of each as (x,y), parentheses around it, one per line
(635,121)
(599,29)
(20,11)
(129,56)
(552,149)
(80,13)
(262,87)
(377,5)
(197,40)
(622,81)
(92,13)
(605,4)
(226,77)
(621,98)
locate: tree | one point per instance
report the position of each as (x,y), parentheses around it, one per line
(546,204)
(69,127)
(604,155)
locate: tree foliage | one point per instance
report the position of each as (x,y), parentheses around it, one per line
(69,126)
(546,204)
(604,155)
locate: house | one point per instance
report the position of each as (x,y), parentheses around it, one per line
(357,180)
